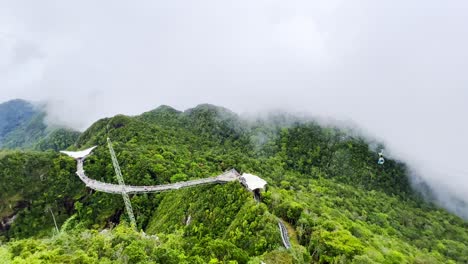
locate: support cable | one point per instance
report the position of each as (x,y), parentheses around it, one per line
(118,173)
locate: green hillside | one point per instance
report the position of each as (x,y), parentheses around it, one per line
(22,126)
(339,205)
(13,115)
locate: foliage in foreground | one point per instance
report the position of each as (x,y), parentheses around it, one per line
(325,184)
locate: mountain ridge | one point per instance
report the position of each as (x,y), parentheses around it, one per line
(23,126)
(323,183)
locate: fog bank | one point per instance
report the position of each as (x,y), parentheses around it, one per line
(396,68)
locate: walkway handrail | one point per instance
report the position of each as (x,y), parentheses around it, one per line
(228,176)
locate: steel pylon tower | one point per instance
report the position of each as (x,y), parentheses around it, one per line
(118,173)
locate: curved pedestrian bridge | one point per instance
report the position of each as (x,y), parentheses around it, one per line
(80,156)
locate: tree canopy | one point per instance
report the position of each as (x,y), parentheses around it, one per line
(339,205)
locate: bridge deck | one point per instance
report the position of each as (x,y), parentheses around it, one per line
(228,176)
(284,234)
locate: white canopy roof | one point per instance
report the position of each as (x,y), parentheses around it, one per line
(79,154)
(253,182)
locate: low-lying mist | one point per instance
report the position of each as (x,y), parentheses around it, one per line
(397,69)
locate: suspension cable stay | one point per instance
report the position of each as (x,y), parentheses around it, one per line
(118,173)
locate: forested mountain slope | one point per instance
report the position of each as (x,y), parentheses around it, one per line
(22,126)
(14,115)
(339,205)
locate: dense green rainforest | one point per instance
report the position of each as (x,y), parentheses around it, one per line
(23,126)
(339,205)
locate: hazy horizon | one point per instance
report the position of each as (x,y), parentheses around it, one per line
(396,68)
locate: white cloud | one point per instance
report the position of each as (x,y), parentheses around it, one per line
(397,68)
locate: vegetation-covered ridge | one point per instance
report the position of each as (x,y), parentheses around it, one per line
(22,126)
(338,204)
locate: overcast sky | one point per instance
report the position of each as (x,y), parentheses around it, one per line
(399,69)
